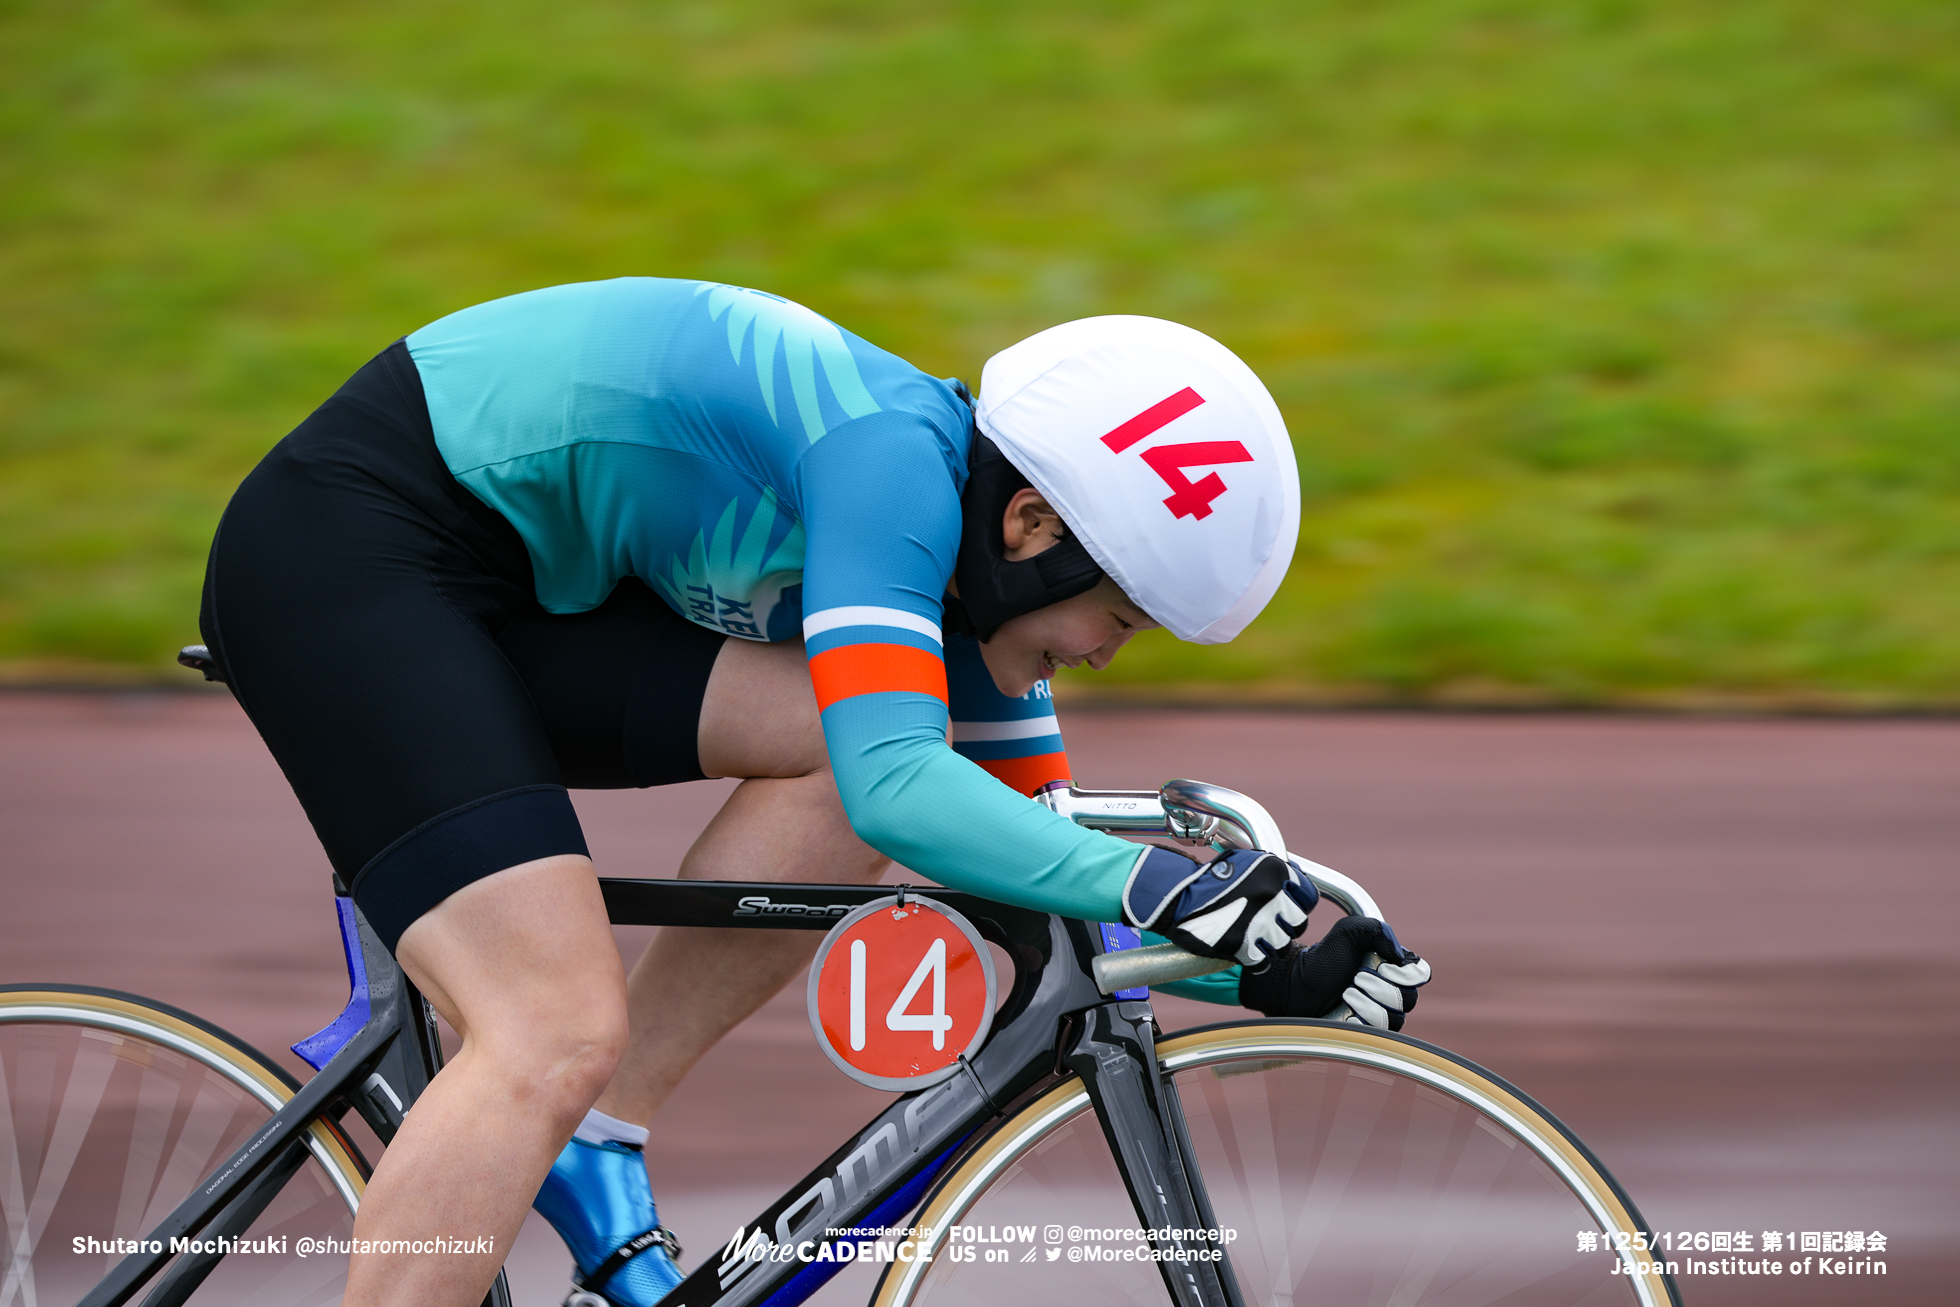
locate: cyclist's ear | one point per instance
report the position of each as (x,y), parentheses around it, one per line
(1030,525)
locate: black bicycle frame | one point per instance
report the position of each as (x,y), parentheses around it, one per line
(381,1052)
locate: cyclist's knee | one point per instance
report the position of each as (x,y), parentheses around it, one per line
(565,1015)
(836,847)
(579,1063)
(556,1057)
(523,964)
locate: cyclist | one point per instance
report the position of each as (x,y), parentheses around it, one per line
(640,531)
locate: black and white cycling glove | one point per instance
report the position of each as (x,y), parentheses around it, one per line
(1246,906)
(1358,972)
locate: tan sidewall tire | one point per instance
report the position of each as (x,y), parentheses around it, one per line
(233,1059)
(959,1190)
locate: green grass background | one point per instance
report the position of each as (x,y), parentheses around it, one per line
(1618,339)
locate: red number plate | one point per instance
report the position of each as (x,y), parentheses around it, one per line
(898,993)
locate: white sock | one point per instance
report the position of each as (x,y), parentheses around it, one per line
(598,1128)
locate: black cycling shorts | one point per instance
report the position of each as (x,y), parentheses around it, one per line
(379,625)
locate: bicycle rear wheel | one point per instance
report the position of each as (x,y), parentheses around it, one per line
(1355,1167)
(112,1108)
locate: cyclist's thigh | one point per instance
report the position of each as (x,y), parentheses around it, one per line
(351,599)
(759,717)
(618,689)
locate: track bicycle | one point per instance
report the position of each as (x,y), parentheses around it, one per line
(1261,1161)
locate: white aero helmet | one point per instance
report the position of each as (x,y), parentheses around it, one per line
(1164,455)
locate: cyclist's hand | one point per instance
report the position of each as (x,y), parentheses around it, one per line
(1246,906)
(1358,972)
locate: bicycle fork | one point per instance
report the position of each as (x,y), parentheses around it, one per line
(1114,1052)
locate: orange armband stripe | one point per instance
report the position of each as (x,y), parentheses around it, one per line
(1026,775)
(855,669)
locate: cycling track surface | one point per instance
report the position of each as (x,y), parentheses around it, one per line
(1726,952)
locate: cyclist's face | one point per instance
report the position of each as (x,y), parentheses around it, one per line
(1084,631)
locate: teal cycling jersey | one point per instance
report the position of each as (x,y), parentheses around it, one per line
(771,475)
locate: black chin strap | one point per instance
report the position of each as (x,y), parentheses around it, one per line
(994,591)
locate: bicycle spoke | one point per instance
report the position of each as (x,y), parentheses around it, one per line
(106,1126)
(13,1206)
(82,1092)
(1385,1191)
(156,1098)
(1352,1168)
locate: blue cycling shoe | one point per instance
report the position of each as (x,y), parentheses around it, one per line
(598,1199)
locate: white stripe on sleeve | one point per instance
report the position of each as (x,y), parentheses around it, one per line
(1025,729)
(865,615)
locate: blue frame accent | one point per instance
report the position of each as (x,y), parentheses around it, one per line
(1116,938)
(317,1050)
(817,1274)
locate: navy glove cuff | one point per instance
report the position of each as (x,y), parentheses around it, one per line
(1155,883)
(1244,906)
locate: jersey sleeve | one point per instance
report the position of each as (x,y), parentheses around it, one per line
(1017,741)
(880,505)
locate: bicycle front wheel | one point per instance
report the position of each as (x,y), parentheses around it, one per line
(1351,1167)
(112,1108)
